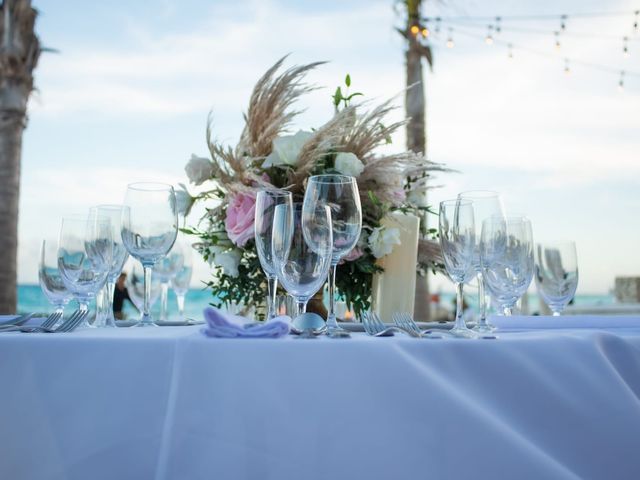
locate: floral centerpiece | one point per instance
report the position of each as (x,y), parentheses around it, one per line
(269,156)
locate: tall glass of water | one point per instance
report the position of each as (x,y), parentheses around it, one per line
(302,255)
(50,278)
(458,241)
(507,259)
(149,230)
(166,269)
(556,274)
(340,194)
(120,255)
(266,203)
(486,204)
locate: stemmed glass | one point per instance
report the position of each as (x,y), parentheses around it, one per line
(50,278)
(120,255)
(458,240)
(166,269)
(182,279)
(85,249)
(556,274)
(302,254)
(149,230)
(340,194)
(486,204)
(266,203)
(507,259)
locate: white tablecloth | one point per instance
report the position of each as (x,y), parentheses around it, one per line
(168,403)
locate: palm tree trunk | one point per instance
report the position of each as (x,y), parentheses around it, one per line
(19,53)
(415,105)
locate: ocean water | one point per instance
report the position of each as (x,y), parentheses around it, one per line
(31,299)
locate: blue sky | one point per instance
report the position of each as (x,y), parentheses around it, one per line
(127,97)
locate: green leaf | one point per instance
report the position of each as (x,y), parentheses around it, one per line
(347,80)
(337,97)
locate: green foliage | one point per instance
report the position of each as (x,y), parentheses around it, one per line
(345,99)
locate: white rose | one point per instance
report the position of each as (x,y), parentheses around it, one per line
(382,240)
(199,169)
(229,261)
(349,164)
(184,201)
(285,150)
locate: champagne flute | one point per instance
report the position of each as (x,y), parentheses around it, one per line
(457,240)
(50,278)
(182,279)
(486,204)
(302,254)
(149,230)
(556,274)
(266,203)
(85,249)
(340,194)
(120,255)
(507,259)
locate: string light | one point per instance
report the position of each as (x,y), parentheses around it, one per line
(450,43)
(635,21)
(563,23)
(557,35)
(567,70)
(415,30)
(510,54)
(489,38)
(425,32)
(621,81)
(498,27)
(625,47)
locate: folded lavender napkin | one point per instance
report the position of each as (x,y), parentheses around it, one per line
(225,325)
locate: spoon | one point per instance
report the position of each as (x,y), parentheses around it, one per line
(308,325)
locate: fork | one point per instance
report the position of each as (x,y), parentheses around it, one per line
(21,320)
(376,328)
(49,322)
(68,325)
(404,320)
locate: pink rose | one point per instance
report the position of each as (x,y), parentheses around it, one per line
(241,214)
(354,254)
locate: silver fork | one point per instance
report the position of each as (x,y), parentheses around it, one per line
(49,322)
(21,320)
(404,320)
(68,325)
(376,328)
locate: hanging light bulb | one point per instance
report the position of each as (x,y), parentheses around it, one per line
(438,19)
(567,70)
(498,26)
(563,23)
(425,32)
(635,21)
(510,53)
(450,43)
(625,47)
(415,30)
(489,38)
(621,81)
(557,35)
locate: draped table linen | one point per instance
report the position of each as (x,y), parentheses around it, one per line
(170,403)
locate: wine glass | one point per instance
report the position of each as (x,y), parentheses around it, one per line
(556,274)
(486,204)
(302,255)
(85,249)
(166,269)
(266,203)
(507,259)
(182,279)
(50,278)
(120,255)
(458,240)
(340,194)
(149,230)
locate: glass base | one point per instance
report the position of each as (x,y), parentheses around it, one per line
(338,333)
(463,332)
(145,321)
(485,327)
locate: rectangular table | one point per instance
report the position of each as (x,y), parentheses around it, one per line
(168,403)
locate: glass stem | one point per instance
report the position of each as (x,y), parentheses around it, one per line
(482,300)
(146,316)
(84,307)
(459,323)
(556,313)
(301,307)
(180,302)
(507,311)
(164,299)
(331,319)
(272,286)
(110,320)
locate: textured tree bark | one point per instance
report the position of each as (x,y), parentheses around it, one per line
(19,53)
(415,105)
